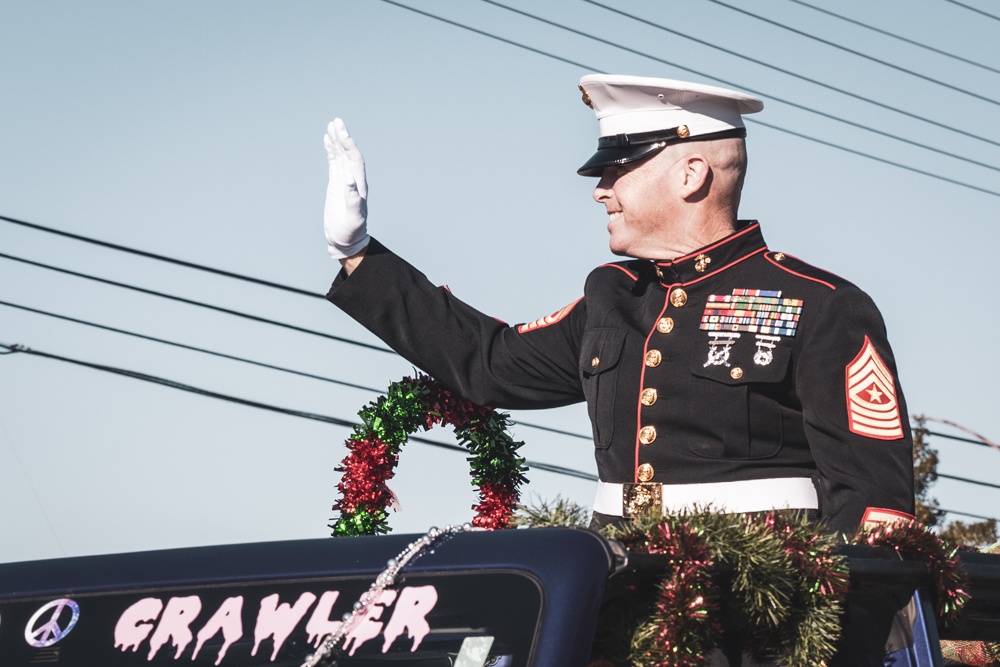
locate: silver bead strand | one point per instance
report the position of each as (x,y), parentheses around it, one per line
(386,579)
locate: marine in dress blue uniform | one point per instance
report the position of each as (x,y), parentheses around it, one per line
(724,375)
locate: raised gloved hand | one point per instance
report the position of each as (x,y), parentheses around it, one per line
(346,210)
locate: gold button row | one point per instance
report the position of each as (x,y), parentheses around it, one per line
(678,297)
(645,472)
(665,325)
(647,434)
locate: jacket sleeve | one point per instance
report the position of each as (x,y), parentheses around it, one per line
(854,412)
(478,356)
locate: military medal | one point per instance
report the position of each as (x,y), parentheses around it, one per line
(765,349)
(718,348)
(755,311)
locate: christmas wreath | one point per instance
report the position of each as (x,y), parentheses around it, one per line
(386,424)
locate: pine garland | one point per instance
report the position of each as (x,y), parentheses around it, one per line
(386,423)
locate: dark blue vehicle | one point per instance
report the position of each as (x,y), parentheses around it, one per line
(506,599)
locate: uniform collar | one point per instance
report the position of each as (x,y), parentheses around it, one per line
(716,257)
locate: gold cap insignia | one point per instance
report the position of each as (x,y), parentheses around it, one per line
(586,97)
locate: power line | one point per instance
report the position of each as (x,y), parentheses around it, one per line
(184,346)
(782,70)
(955,437)
(876,158)
(244,360)
(974,9)
(161,258)
(774,127)
(491,36)
(200,304)
(135,375)
(885,63)
(894,36)
(974,516)
(968,481)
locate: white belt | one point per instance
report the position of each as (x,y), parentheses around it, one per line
(753,495)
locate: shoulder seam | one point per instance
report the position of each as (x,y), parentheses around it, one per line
(620,268)
(796,273)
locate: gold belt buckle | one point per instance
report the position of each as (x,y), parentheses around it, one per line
(641,498)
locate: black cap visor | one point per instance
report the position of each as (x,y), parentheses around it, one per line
(624,148)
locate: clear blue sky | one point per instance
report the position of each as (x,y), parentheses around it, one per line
(193,130)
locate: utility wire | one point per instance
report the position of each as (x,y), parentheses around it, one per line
(894,36)
(774,127)
(968,481)
(956,437)
(192,348)
(135,375)
(974,516)
(491,36)
(201,304)
(890,65)
(162,258)
(876,158)
(842,91)
(974,9)
(245,360)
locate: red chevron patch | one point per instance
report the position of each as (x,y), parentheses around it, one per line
(872,410)
(548,320)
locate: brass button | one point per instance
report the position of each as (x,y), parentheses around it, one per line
(648,396)
(736,373)
(701,262)
(678,298)
(595,362)
(645,472)
(665,325)
(683,132)
(779,256)
(653,358)
(647,434)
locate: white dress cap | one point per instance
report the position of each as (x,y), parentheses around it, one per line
(660,111)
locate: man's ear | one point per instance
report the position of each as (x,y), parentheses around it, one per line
(696,174)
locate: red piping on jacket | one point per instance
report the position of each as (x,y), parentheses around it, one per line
(796,273)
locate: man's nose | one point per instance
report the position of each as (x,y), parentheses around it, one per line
(604,190)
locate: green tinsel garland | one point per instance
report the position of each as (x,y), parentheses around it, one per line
(787,588)
(497,469)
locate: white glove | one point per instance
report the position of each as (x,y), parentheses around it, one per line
(346,194)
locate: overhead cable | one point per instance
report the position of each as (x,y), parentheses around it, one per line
(898,68)
(818,112)
(244,360)
(974,516)
(200,304)
(774,127)
(491,35)
(968,481)
(983,439)
(135,375)
(183,346)
(974,9)
(161,258)
(956,437)
(888,33)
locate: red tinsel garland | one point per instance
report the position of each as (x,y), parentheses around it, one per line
(374,448)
